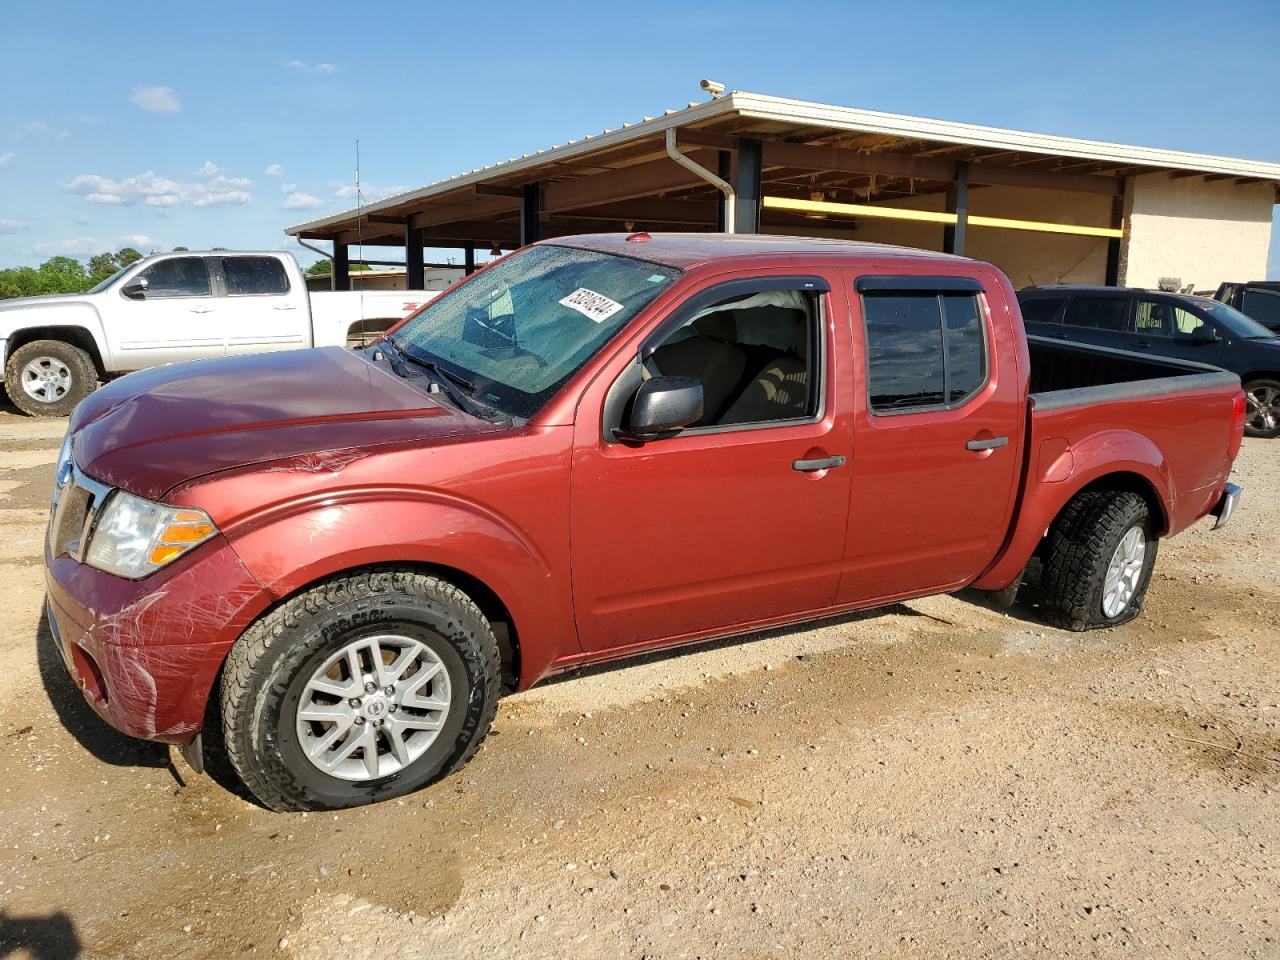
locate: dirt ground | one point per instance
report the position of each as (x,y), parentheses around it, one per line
(939,779)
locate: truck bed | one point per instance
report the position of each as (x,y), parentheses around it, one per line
(1160,410)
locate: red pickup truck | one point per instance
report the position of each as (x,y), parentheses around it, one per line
(335,561)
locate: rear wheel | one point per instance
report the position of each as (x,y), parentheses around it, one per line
(1262,419)
(361,689)
(47,378)
(1100,554)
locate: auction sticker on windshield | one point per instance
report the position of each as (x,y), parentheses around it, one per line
(595,306)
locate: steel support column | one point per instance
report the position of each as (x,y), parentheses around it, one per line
(530,211)
(341,276)
(415,274)
(746,185)
(1113,245)
(953,235)
(469,259)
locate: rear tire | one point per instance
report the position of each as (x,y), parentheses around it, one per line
(1100,554)
(1262,418)
(303,685)
(47,378)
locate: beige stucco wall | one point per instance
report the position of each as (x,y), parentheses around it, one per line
(1200,231)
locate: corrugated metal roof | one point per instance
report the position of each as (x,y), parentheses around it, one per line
(801,113)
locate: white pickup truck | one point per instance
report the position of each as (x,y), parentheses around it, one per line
(178,306)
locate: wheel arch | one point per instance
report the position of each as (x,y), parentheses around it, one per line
(73,334)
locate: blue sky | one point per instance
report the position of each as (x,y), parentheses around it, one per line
(221,124)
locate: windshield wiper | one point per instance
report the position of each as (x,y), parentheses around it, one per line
(447,382)
(432,367)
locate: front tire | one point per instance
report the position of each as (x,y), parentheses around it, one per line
(47,378)
(1262,419)
(363,688)
(1100,554)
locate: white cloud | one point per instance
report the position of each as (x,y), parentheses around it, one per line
(6,159)
(39,131)
(154,191)
(12,226)
(139,241)
(208,169)
(273,170)
(156,99)
(301,201)
(314,69)
(370,193)
(77,247)
(288,187)
(83,221)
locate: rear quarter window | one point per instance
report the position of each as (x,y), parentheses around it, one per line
(1040,309)
(1098,313)
(254,276)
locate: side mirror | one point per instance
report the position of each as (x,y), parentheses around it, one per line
(1205,333)
(136,289)
(663,404)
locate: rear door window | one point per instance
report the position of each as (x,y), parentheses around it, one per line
(1098,313)
(254,276)
(1040,309)
(924,349)
(177,277)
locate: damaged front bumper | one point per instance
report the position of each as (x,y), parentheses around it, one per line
(146,653)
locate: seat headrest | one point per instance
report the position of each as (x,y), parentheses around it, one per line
(719,325)
(768,326)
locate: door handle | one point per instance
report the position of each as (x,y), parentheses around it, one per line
(823,463)
(288,306)
(990,443)
(201,309)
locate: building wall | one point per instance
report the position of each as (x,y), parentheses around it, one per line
(1201,232)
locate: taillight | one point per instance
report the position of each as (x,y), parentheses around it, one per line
(1238,409)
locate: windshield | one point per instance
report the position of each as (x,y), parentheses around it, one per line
(1236,322)
(520,328)
(103,284)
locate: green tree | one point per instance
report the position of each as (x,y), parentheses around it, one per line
(126,256)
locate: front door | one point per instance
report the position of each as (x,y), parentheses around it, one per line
(741,517)
(940,415)
(175,319)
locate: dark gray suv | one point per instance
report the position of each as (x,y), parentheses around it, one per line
(1169,325)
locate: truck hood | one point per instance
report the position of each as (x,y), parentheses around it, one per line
(44,300)
(153,430)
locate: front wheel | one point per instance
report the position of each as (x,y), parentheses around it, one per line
(360,689)
(47,378)
(1100,554)
(1263,416)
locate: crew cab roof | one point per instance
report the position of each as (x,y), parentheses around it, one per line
(686,250)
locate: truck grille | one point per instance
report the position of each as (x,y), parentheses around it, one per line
(76,502)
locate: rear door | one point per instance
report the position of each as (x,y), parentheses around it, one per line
(1167,328)
(175,319)
(939,410)
(260,309)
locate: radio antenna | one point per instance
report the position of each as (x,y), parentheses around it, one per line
(359,242)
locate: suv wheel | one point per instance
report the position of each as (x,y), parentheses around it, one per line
(47,378)
(363,688)
(1100,554)
(1262,419)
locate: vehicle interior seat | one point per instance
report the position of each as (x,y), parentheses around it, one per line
(777,339)
(708,353)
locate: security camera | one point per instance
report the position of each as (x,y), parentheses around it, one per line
(713,87)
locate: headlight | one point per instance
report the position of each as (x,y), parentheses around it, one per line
(135,537)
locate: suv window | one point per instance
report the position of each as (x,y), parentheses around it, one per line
(254,276)
(1263,306)
(1040,309)
(923,349)
(177,277)
(1163,319)
(754,355)
(1098,313)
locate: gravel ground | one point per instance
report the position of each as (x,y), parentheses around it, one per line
(939,779)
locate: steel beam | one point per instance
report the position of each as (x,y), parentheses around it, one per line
(340,278)
(530,214)
(953,234)
(746,186)
(415,275)
(468,259)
